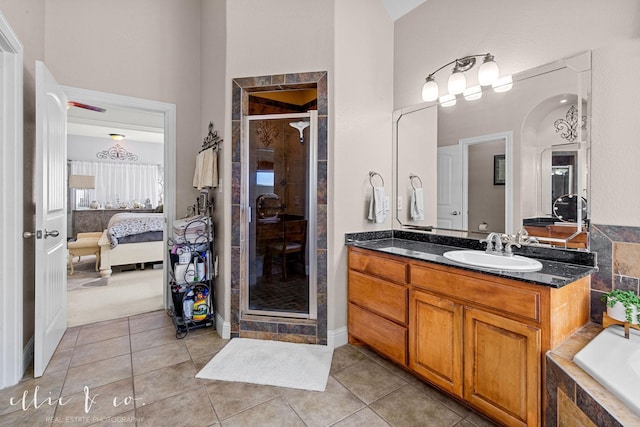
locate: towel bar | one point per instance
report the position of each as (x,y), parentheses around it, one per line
(411,177)
(371,175)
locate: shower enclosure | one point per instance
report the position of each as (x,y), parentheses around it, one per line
(281,233)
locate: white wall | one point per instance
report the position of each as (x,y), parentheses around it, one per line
(361,141)
(86,148)
(532,34)
(147,49)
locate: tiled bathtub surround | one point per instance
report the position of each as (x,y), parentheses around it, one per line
(573,397)
(260,327)
(618,249)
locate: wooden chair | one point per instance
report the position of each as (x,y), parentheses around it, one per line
(294,242)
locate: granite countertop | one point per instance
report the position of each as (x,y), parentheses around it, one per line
(560,267)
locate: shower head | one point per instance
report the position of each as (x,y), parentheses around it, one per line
(301,125)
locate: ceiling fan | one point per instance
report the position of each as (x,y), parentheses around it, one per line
(85,106)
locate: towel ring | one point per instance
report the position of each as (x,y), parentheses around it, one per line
(371,175)
(411,178)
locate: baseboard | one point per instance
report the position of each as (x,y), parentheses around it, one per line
(27,356)
(223,328)
(337,337)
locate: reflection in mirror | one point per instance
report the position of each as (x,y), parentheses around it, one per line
(539,126)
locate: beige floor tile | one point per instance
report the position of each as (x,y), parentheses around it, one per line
(159,357)
(42,416)
(363,418)
(97,374)
(153,338)
(174,380)
(102,331)
(60,360)
(230,398)
(323,408)
(148,321)
(204,343)
(407,407)
(69,338)
(274,413)
(189,410)
(31,392)
(100,350)
(345,356)
(368,380)
(127,419)
(90,406)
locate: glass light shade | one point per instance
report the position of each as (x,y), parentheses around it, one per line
(430,90)
(473,93)
(448,100)
(488,72)
(457,82)
(503,84)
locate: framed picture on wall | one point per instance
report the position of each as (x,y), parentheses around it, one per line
(499,171)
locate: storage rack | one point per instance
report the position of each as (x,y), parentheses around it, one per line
(185,252)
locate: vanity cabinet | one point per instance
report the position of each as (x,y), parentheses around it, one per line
(479,337)
(378,304)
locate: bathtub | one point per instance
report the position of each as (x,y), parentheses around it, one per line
(615,363)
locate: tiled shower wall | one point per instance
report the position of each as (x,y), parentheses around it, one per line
(618,249)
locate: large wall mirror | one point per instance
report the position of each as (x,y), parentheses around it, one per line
(510,160)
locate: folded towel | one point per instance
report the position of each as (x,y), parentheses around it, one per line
(376,205)
(417,204)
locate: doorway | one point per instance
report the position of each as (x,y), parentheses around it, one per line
(282,182)
(143,122)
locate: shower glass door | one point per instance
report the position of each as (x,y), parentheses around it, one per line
(281,193)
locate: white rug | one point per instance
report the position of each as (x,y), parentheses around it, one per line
(282,364)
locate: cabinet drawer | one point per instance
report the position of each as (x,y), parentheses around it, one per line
(509,299)
(390,269)
(379,333)
(385,298)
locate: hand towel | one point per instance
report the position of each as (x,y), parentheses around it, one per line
(206,170)
(417,204)
(376,205)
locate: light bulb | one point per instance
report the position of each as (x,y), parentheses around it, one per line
(473,93)
(488,72)
(447,100)
(457,82)
(503,84)
(430,90)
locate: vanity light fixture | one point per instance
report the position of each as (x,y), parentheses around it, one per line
(488,74)
(116,136)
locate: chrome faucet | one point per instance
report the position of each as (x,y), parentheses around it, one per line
(494,243)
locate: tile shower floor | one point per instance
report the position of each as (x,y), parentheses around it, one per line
(133,371)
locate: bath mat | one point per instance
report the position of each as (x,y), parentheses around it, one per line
(282,364)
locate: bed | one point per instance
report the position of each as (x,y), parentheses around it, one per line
(131,238)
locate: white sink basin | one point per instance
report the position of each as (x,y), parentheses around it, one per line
(497,262)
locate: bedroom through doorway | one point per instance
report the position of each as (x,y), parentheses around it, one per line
(118,181)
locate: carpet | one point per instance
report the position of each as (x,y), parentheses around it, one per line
(126,293)
(282,364)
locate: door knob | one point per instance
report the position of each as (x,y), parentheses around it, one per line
(455,213)
(29,234)
(52,233)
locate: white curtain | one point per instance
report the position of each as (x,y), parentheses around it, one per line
(122,182)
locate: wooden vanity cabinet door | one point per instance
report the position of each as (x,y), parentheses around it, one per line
(435,340)
(502,367)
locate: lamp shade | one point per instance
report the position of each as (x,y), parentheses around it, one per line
(430,90)
(82,181)
(489,71)
(457,82)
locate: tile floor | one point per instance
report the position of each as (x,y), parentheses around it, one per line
(133,371)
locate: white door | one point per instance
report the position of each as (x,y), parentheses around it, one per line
(50,192)
(450,187)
